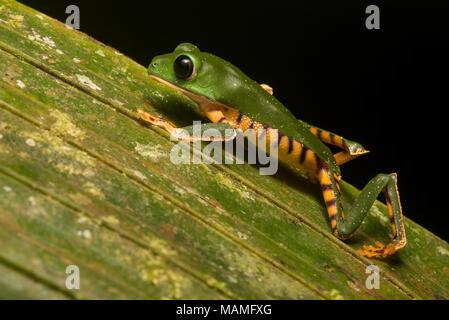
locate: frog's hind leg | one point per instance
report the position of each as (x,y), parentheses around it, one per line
(390,191)
(344,225)
(331,196)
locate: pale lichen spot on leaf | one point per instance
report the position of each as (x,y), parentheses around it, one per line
(32,200)
(231,279)
(100,52)
(150,152)
(83,220)
(442,251)
(242,236)
(139,175)
(30,142)
(35,209)
(118,102)
(179,190)
(353,286)
(44,41)
(86,234)
(87,82)
(20,84)
(232,186)
(49,42)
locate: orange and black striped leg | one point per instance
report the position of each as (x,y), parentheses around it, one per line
(188,133)
(351,149)
(332,199)
(344,225)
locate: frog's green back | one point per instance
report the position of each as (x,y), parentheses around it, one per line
(221,81)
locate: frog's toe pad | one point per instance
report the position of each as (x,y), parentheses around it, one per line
(380,251)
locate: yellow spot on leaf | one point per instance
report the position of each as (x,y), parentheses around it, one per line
(64,126)
(442,251)
(93,190)
(15,20)
(334,294)
(111,220)
(228,183)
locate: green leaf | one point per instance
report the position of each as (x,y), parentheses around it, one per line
(84,182)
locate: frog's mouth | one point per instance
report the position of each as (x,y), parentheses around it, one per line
(198,98)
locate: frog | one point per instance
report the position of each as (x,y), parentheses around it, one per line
(226,96)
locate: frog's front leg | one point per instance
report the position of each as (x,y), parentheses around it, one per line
(189,133)
(351,149)
(344,225)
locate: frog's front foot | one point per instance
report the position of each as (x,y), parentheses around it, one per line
(355,148)
(150,118)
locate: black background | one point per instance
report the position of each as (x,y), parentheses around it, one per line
(386,89)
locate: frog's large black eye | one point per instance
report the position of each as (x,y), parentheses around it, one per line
(183,67)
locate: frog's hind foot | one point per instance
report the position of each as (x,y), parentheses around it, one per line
(381,251)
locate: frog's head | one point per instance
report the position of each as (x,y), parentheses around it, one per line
(197,74)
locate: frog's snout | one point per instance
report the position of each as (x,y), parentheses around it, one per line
(159,65)
(153,65)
